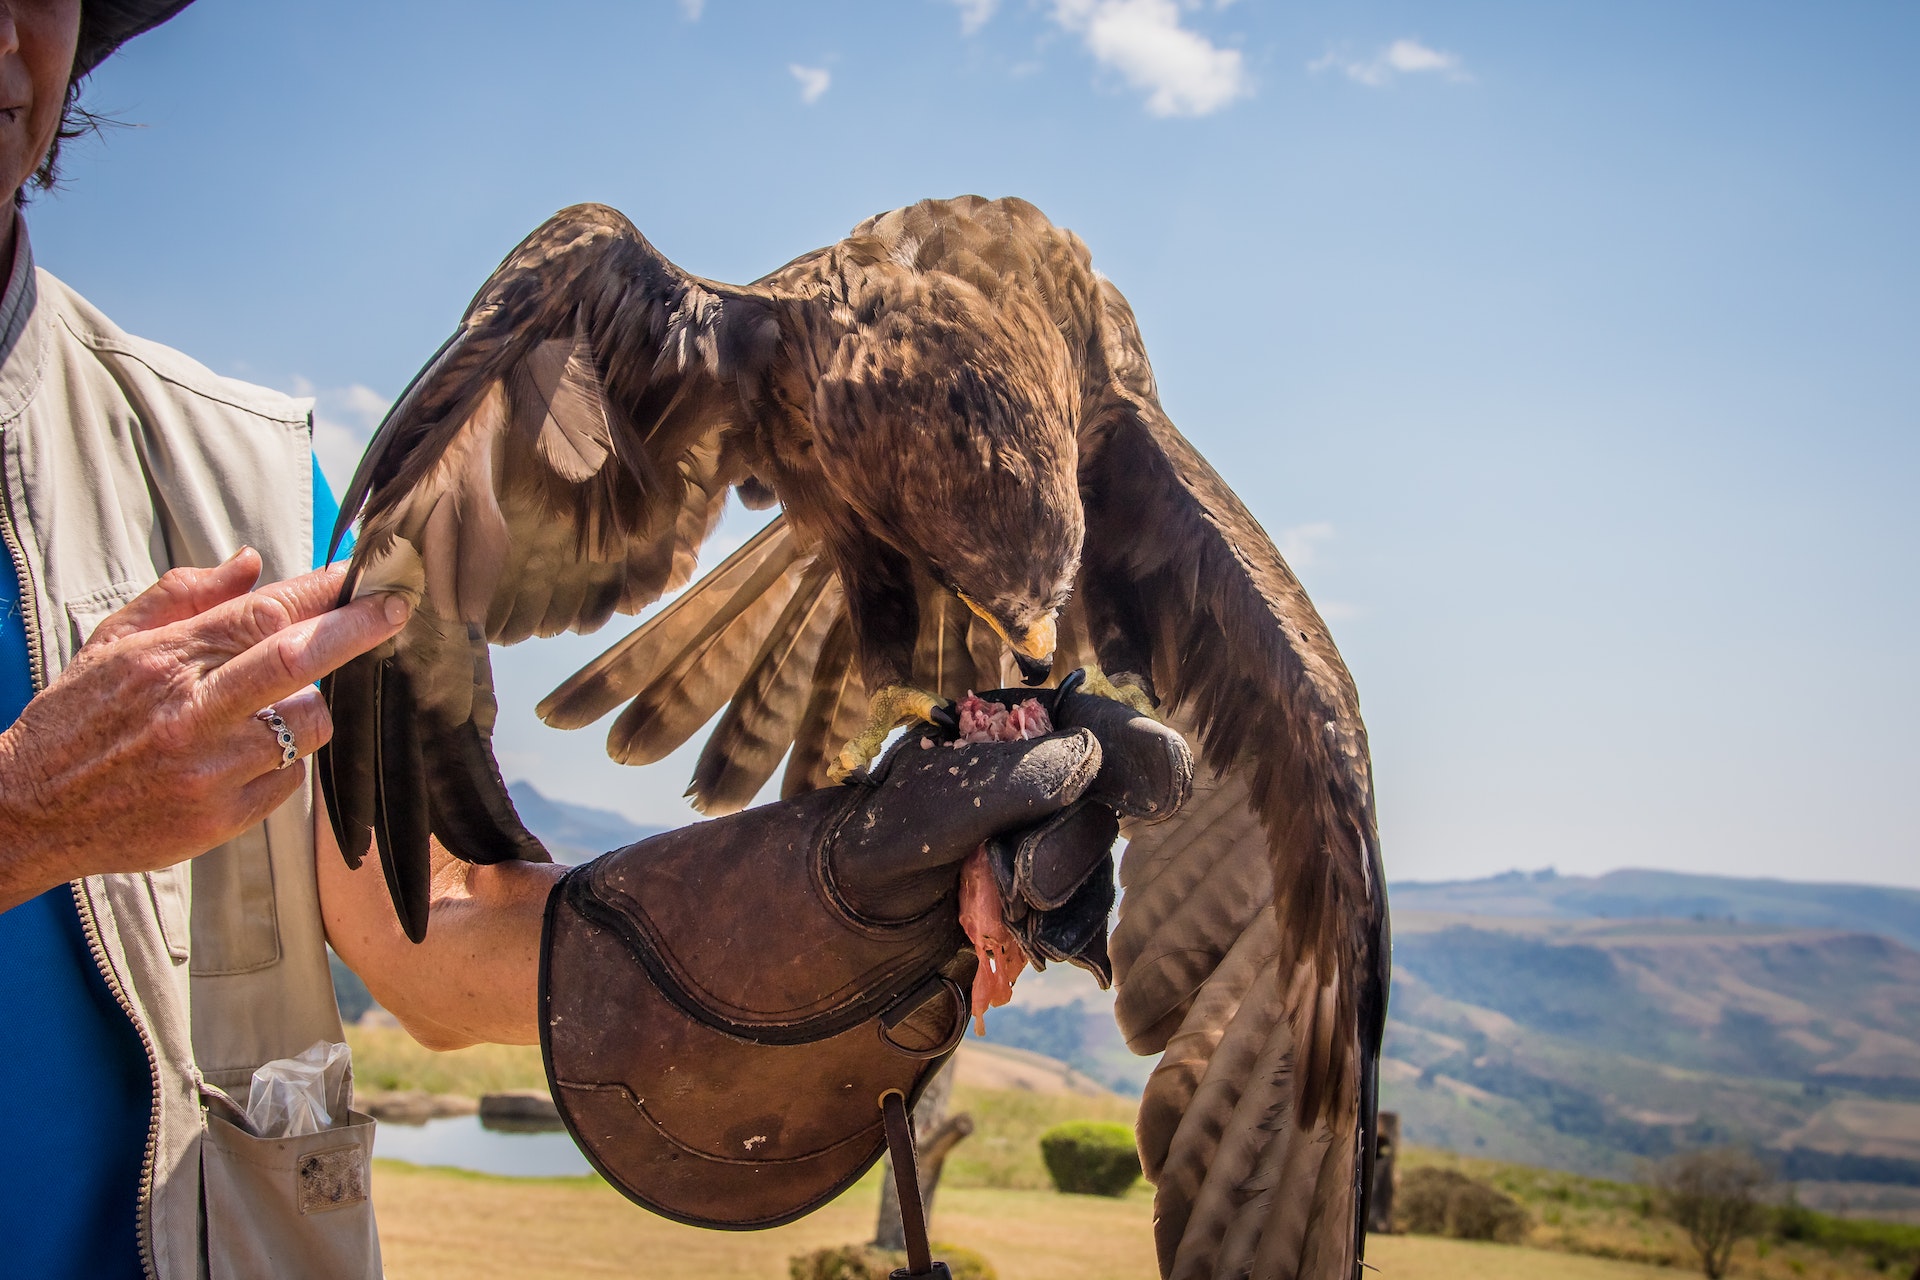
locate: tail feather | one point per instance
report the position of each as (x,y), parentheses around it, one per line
(759,725)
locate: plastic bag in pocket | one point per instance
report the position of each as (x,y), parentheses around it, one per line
(288,1208)
(292,1097)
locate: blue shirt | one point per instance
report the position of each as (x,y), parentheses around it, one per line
(75,1087)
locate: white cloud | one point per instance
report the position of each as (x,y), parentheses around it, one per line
(344,420)
(692,9)
(1182,72)
(1299,542)
(814,81)
(1402,57)
(975,14)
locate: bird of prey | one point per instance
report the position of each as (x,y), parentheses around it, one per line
(956,414)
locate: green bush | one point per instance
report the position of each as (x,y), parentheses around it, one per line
(1446,1202)
(1091,1158)
(864,1262)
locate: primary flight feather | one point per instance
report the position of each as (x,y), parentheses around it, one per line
(957,417)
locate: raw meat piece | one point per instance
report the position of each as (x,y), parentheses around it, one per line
(1002,958)
(984,721)
(982,912)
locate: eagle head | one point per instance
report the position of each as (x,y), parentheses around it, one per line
(948,424)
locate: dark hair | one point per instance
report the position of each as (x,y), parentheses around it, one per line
(105,25)
(75,122)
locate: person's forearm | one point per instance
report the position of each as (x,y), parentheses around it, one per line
(476,977)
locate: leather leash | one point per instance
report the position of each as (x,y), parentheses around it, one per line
(906,1177)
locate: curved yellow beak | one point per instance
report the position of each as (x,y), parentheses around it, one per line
(1034,650)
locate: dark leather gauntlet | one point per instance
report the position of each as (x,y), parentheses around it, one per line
(723,1005)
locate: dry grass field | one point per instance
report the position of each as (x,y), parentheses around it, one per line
(437,1225)
(996,1198)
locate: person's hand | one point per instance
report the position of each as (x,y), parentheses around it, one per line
(147,750)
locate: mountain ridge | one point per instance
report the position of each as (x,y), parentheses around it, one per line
(574,833)
(1643,893)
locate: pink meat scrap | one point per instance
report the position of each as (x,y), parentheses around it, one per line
(984,721)
(982,912)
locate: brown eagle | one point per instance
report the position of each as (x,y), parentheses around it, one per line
(956,415)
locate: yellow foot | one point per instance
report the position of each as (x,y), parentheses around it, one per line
(893,706)
(1122,686)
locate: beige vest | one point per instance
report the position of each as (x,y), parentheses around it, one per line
(123,459)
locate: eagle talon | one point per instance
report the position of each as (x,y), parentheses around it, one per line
(1122,686)
(889,708)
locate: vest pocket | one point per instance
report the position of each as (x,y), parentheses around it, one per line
(86,612)
(236,928)
(290,1207)
(168,889)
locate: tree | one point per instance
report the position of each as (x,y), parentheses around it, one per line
(1714,1194)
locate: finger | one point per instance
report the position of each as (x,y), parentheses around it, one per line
(293,657)
(1146,769)
(269,791)
(239,624)
(181,594)
(304,714)
(934,807)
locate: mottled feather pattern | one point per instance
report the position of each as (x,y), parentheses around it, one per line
(763,716)
(950,394)
(833,715)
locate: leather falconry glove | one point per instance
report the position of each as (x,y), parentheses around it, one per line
(1055,878)
(724,1005)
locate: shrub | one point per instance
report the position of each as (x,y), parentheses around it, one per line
(1446,1202)
(864,1262)
(1091,1158)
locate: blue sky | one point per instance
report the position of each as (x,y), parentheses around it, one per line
(1572,353)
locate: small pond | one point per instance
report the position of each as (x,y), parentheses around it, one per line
(461,1142)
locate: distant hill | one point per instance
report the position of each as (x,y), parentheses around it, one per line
(1591,1023)
(1668,895)
(574,833)
(1588,1044)
(985,1065)
(1063,1014)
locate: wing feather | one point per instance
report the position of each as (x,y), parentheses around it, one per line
(1252,943)
(702,677)
(643,655)
(833,715)
(560,459)
(760,722)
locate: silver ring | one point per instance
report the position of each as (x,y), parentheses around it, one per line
(281,734)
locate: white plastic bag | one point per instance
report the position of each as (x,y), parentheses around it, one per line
(296,1096)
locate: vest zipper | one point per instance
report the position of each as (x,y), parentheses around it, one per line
(89,925)
(29,604)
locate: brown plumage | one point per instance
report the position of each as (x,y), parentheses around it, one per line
(957,416)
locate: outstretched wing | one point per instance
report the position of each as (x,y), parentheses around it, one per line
(1252,945)
(560,460)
